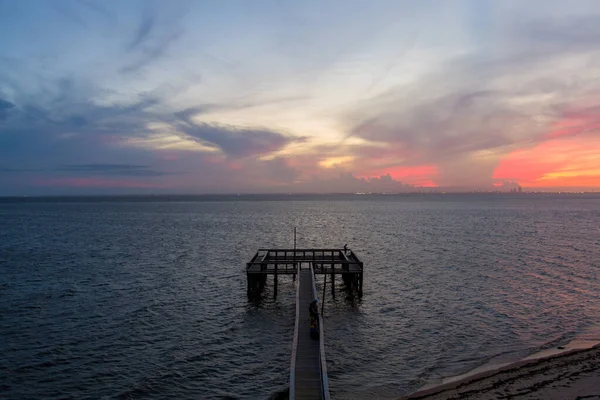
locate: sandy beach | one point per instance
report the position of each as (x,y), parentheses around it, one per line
(572,372)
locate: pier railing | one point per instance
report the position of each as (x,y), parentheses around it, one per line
(287,261)
(322,359)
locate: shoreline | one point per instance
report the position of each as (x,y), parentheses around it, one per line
(562,372)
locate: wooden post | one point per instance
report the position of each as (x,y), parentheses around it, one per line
(332,283)
(360,285)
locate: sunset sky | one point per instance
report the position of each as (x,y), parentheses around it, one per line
(305,96)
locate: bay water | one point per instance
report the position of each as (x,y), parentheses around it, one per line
(145,297)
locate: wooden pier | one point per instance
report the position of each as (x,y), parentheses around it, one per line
(330,262)
(308,369)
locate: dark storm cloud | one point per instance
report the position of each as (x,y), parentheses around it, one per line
(233,141)
(237,142)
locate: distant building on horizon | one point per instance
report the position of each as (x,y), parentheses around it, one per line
(518,189)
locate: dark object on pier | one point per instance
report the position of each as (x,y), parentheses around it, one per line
(291,261)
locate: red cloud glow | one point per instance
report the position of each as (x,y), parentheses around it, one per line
(561,162)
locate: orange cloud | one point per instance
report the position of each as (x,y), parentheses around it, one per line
(565,161)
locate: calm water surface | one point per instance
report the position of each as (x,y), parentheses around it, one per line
(147,299)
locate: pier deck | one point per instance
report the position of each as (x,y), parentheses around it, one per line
(307,369)
(290,261)
(286,261)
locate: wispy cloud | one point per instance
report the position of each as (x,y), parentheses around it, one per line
(151,40)
(143,32)
(111,169)
(11,170)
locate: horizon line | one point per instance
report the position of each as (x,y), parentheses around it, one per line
(42,196)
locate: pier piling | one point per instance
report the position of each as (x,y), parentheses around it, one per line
(333,285)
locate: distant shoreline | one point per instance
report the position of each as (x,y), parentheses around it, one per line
(279,196)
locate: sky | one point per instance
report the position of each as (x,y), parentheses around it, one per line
(111,97)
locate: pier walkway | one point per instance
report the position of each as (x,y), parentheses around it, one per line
(305,372)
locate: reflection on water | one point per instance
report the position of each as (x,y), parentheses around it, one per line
(134,300)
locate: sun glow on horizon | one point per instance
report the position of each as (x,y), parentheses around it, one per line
(560,162)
